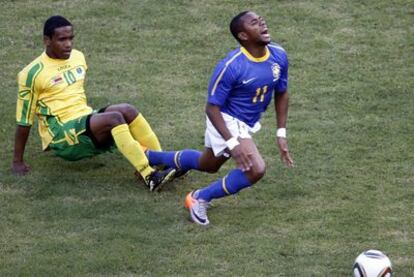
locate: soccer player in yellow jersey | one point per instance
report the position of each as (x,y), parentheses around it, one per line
(52,89)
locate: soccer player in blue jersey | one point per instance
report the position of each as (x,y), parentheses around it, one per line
(240,90)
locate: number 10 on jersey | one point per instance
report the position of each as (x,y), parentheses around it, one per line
(69,77)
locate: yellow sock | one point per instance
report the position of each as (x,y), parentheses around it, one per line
(142,132)
(131,149)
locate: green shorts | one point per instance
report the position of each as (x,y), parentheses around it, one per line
(74,141)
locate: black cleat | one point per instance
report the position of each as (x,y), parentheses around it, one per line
(156,180)
(181,173)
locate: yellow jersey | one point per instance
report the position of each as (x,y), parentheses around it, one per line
(52,88)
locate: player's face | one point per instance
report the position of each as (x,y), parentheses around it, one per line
(255,29)
(59,46)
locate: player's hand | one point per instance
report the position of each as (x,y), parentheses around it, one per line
(284,152)
(20,168)
(242,158)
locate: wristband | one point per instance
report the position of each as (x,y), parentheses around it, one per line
(231,143)
(281,133)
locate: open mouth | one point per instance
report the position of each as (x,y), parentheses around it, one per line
(265,33)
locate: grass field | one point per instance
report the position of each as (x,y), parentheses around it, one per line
(351,133)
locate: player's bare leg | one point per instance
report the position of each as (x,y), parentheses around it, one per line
(197,202)
(258,168)
(210,163)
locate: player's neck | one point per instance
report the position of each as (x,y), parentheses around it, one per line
(256,51)
(52,55)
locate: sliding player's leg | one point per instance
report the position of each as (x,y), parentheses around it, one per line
(139,127)
(112,125)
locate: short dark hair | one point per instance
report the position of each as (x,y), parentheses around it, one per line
(236,25)
(54,22)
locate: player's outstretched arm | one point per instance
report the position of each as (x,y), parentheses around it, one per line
(281,107)
(18,166)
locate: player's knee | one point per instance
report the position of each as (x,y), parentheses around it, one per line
(129,111)
(114,119)
(257,172)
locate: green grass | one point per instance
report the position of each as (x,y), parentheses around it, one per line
(351,127)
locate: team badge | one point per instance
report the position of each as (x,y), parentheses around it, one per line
(276,71)
(80,72)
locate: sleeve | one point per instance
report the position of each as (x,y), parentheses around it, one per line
(27,96)
(221,83)
(282,84)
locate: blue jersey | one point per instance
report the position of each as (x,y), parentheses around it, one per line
(243,85)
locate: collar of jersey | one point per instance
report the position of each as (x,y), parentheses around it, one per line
(253,59)
(49,59)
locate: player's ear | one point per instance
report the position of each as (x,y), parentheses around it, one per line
(46,40)
(242,36)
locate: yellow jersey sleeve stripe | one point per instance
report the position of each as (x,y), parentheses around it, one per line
(32,104)
(32,74)
(222,72)
(27,106)
(24,115)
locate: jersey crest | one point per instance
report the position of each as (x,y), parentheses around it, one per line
(276,71)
